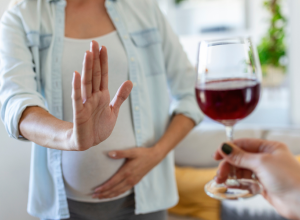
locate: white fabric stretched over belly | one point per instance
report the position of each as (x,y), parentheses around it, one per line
(83,171)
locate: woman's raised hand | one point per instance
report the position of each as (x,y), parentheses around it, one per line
(94,116)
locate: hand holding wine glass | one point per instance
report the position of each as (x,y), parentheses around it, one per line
(94,116)
(273,164)
(228,90)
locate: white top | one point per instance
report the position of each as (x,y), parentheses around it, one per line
(83,171)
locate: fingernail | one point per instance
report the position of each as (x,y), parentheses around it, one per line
(226,148)
(100,48)
(112,154)
(91,46)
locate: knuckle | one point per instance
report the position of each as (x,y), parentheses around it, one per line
(264,158)
(121,98)
(75,97)
(130,181)
(237,158)
(82,148)
(127,173)
(283,146)
(87,82)
(97,73)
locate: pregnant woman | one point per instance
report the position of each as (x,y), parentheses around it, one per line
(96,157)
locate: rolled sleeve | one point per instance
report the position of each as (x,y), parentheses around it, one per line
(187,107)
(17,76)
(12,111)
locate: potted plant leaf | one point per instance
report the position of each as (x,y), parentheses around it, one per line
(272,49)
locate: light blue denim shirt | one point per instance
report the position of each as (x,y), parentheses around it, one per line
(31,47)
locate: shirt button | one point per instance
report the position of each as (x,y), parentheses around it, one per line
(134,84)
(138,131)
(136,108)
(132,59)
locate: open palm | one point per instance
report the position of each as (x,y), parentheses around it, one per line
(94,116)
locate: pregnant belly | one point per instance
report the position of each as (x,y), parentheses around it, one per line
(83,171)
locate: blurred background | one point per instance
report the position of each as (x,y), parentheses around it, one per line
(273,26)
(267,22)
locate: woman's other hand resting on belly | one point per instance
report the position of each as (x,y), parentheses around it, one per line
(139,161)
(94,115)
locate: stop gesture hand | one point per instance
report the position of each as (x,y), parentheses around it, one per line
(94,116)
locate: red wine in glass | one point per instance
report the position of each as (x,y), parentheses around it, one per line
(228,100)
(227,90)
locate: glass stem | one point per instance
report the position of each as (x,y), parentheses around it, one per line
(229,134)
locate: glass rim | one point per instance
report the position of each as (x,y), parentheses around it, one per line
(226,41)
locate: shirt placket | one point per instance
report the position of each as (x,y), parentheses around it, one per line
(56,110)
(133,76)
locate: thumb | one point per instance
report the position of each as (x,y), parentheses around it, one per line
(119,154)
(237,157)
(121,95)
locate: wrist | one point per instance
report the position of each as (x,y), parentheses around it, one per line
(159,151)
(69,139)
(291,200)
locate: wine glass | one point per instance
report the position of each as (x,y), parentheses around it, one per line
(227,90)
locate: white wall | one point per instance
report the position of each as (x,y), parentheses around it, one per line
(3,6)
(294,64)
(14,177)
(14,171)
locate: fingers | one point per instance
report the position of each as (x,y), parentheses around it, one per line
(122,187)
(259,145)
(217,156)
(111,183)
(238,157)
(249,144)
(255,146)
(129,153)
(224,171)
(121,95)
(122,181)
(94,48)
(76,93)
(87,75)
(104,68)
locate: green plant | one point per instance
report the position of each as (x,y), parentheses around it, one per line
(178,1)
(272,47)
